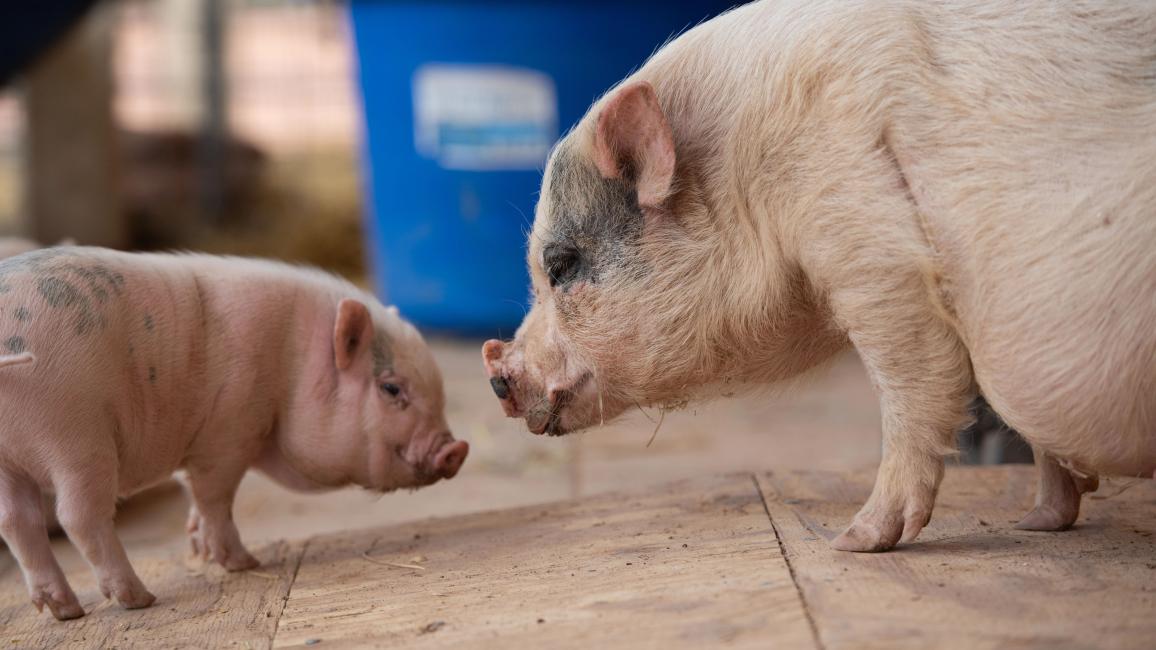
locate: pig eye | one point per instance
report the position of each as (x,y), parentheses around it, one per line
(562,263)
(393,389)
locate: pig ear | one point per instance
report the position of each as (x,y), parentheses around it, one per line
(351,333)
(632,140)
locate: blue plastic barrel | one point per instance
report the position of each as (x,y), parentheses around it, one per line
(462,101)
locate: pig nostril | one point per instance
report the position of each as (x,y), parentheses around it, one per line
(558,397)
(501,388)
(449,464)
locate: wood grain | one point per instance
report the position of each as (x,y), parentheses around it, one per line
(971,580)
(197,606)
(691,564)
(694,564)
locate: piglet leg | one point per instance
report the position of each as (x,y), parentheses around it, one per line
(22,525)
(86,507)
(1057,496)
(212,532)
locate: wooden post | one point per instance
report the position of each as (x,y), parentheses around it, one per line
(71,149)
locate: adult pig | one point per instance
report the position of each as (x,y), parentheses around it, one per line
(119,369)
(963,191)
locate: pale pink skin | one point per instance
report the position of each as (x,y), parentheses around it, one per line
(962,191)
(120,369)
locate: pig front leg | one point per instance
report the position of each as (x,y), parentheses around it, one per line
(1058,495)
(921,372)
(86,507)
(23,527)
(212,532)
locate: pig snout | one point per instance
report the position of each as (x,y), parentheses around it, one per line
(500,381)
(501,388)
(450,457)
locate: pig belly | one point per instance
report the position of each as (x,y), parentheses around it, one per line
(1065,351)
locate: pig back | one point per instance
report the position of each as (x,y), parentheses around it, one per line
(119,355)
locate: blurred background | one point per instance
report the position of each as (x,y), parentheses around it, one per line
(399,144)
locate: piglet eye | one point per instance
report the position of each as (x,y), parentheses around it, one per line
(562,263)
(392,389)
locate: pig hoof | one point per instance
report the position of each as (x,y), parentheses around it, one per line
(242,561)
(130,594)
(136,599)
(865,538)
(874,533)
(64,607)
(1044,517)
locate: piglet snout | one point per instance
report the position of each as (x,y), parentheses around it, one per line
(450,457)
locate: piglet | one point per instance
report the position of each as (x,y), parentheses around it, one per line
(118,369)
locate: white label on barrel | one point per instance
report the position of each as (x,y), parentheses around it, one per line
(484,117)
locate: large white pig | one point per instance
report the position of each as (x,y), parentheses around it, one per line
(964,191)
(117,369)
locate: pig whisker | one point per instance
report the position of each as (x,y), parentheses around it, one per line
(661,417)
(525,220)
(525,312)
(601,414)
(643,411)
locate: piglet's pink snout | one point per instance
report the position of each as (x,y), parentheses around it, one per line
(450,457)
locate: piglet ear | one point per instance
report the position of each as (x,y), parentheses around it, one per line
(351,333)
(632,140)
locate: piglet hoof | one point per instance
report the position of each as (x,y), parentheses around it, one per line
(1045,517)
(240,561)
(63,605)
(129,592)
(136,600)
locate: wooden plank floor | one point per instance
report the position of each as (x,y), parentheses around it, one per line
(735,561)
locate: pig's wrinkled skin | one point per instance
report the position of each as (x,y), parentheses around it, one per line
(118,369)
(963,191)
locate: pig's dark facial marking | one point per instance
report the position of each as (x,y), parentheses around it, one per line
(382,351)
(148,322)
(15,344)
(562,263)
(595,225)
(21,314)
(57,292)
(152,375)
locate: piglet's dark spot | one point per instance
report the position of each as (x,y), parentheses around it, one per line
(21,314)
(148,322)
(86,322)
(15,344)
(57,292)
(152,375)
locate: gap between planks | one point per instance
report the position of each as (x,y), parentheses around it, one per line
(790,567)
(289,591)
